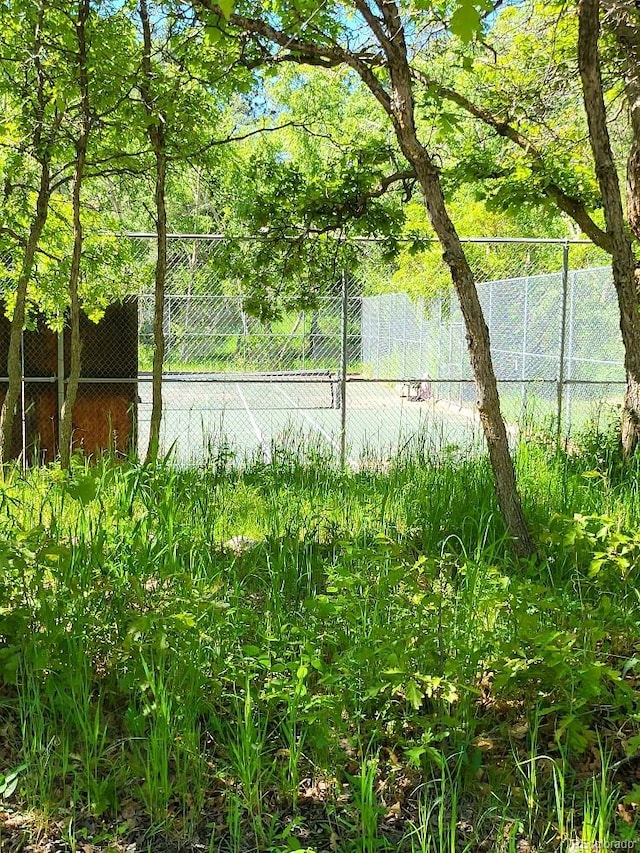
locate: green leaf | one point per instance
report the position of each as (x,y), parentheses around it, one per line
(413,694)
(416,753)
(186,620)
(633,745)
(226,7)
(9,782)
(466,22)
(83,488)
(9,663)
(212,36)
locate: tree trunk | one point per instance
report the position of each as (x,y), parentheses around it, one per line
(623,20)
(479,347)
(14,361)
(156,138)
(402,112)
(623,259)
(158,308)
(630,424)
(66,416)
(632,91)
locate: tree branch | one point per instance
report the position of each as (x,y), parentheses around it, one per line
(14,234)
(573,207)
(329,55)
(375,25)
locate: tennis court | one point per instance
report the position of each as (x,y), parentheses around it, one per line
(252,413)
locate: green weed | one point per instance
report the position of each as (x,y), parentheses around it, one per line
(288,655)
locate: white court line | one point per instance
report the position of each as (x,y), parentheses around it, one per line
(311,420)
(256,428)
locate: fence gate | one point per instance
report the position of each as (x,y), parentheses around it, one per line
(105,412)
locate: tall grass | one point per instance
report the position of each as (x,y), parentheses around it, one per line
(290,655)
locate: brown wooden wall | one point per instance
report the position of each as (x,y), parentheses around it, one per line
(105,413)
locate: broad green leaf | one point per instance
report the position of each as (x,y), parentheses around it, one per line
(83,488)
(212,35)
(466,22)
(226,7)
(9,782)
(633,745)
(414,694)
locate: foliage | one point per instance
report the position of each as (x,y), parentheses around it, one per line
(526,77)
(373,651)
(209,651)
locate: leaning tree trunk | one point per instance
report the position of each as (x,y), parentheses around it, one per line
(402,113)
(66,416)
(41,148)
(623,259)
(14,361)
(479,352)
(633,161)
(155,130)
(622,19)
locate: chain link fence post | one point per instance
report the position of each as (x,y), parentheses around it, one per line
(463,356)
(169,319)
(563,338)
(377,360)
(404,346)
(23,406)
(523,366)
(303,354)
(440,390)
(343,368)
(570,349)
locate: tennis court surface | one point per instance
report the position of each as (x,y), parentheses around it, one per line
(252,413)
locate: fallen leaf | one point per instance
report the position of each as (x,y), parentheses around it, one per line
(394,812)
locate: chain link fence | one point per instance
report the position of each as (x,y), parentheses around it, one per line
(358,348)
(555,344)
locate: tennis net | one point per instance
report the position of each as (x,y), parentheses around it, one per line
(280,390)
